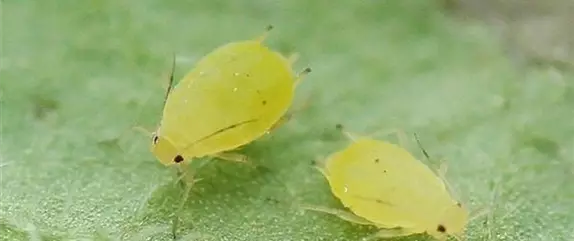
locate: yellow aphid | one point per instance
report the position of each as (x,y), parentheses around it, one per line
(384,185)
(234,95)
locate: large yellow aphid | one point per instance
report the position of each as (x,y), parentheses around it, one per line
(234,95)
(384,185)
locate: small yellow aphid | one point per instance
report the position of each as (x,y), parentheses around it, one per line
(234,95)
(383,185)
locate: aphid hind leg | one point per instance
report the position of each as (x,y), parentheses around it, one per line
(390,233)
(289,115)
(280,122)
(319,164)
(293,58)
(342,214)
(234,157)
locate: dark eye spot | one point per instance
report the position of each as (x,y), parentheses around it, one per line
(178,159)
(459,205)
(441,228)
(247,75)
(264,102)
(377,160)
(339,126)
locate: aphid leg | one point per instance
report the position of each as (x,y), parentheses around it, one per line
(390,233)
(486,210)
(457,237)
(263,36)
(442,170)
(234,157)
(351,136)
(284,119)
(287,117)
(142,130)
(301,75)
(342,214)
(183,178)
(399,133)
(319,164)
(176,216)
(293,58)
(479,213)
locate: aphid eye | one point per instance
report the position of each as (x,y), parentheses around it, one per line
(155,138)
(441,228)
(178,159)
(459,204)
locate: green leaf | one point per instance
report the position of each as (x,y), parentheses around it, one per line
(76,76)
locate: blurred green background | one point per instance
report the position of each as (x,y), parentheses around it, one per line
(77,75)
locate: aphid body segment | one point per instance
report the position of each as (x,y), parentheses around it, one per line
(384,185)
(233,96)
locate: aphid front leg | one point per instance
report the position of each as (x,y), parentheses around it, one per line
(186,190)
(342,214)
(184,178)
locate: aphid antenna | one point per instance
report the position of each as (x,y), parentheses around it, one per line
(443,168)
(170,79)
(144,130)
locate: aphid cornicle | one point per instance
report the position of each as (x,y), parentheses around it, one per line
(232,96)
(383,185)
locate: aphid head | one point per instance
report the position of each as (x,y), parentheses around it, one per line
(164,150)
(452,223)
